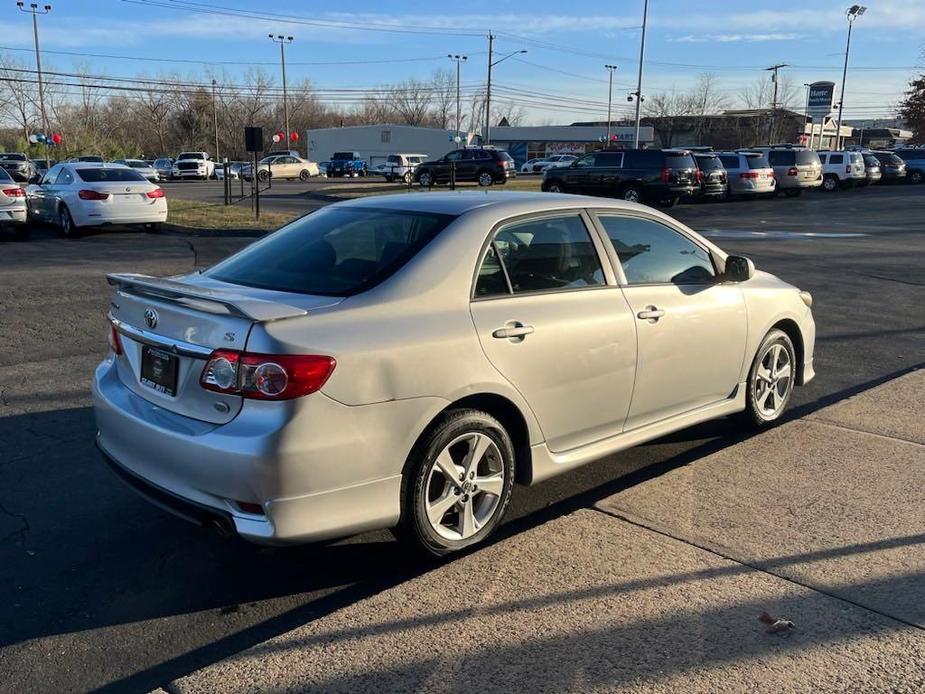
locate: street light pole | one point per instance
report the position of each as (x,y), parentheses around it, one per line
(215,120)
(642,55)
(773,68)
(282,41)
(34,11)
(853,13)
(459,60)
(610,69)
(491,46)
(806,115)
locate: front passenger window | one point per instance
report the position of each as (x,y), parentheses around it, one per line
(585,161)
(652,253)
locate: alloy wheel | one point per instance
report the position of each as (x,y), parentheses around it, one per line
(554,188)
(773,380)
(464,486)
(485,179)
(631,195)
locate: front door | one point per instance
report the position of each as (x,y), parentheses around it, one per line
(551,323)
(579,177)
(444,169)
(691,326)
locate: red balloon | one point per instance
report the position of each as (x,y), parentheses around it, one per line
(294,136)
(282,134)
(56,138)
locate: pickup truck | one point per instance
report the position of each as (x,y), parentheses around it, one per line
(193,165)
(347,164)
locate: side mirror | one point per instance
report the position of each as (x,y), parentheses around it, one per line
(738,269)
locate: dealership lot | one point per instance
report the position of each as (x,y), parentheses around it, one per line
(106,589)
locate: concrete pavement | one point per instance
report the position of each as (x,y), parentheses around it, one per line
(658,587)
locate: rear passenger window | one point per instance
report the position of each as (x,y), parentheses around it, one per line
(730,162)
(553,253)
(651,253)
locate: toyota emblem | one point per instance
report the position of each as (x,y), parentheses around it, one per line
(150,317)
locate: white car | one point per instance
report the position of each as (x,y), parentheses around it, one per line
(78,195)
(841,169)
(142,167)
(13,212)
(193,165)
(558,161)
(527,166)
(284,166)
(234,170)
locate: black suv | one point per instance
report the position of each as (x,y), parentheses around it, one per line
(484,166)
(661,175)
(711,177)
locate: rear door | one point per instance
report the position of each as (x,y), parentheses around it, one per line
(691,327)
(554,324)
(608,174)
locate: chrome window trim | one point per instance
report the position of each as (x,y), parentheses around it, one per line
(179,347)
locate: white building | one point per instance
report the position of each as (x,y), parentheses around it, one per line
(376,142)
(535,141)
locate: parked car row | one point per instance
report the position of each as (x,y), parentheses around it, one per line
(667,176)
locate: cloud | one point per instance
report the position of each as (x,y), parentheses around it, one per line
(733,38)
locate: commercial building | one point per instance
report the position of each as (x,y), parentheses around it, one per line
(536,141)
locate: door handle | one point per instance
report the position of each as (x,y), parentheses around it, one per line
(513,331)
(650,314)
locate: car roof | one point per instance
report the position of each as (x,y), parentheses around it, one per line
(95,165)
(504,202)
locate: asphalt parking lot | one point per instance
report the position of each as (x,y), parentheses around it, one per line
(103,590)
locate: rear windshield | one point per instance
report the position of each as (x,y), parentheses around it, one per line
(13,157)
(888,158)
(757,161)
(730,161)
(135,164)
(5,176)
(871,160)
(709,163)
(908,154)
(778,157)
(107,175)
(91,158)
(806,156)
(340,156)
(505,156)
(333,252)
(679,161)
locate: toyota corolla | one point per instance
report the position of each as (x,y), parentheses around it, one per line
(401,362)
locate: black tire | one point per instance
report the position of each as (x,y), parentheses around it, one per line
(414,527)
(21,232)
(485,178)
(754,414)
(426,179)
(915,177)
(66,223)
(554,187)
(304,175)
(793,192)
(263,175)
(631,193)
(830,183)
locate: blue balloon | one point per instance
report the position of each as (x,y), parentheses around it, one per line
(39,137)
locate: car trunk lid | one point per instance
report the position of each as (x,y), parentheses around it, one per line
(168,327)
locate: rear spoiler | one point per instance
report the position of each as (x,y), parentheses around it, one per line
(203,299)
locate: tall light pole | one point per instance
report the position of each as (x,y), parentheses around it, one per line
(491,45)
(459,60)
(852,13)
(642,56)
(282,41)
(610,69)
(806,115)
(35,12)
(774,69)
(215,120)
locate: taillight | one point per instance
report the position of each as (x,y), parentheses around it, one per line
(115,342)
(793,171)
(501,164)
(14,192)
(265,376)
(749,174)
(698,176)
(666,175)
(92,195)
(156,193)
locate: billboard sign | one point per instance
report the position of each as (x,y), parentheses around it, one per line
(821,99)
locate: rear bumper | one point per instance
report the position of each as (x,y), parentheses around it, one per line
(318,469)
(16,215)
(152,214)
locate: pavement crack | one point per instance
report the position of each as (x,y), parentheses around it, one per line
(755,566)
(21,532)
(816,419)
(194,251)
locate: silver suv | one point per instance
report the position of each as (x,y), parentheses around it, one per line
(795,168)
(401,361)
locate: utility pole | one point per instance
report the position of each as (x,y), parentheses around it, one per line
(34,11)
(459,60)
(610,69)
(215,120)
(282,41)
(806,115)
(491,48)
(773,68)
(642,56)
(853,13)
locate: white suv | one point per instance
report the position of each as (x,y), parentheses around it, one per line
(841,169)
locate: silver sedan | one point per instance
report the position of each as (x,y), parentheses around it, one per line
(402,361)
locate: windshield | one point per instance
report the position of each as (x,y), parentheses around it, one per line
(107,175)
(190,155)
(135,164)
(13,157)
(92,158)
(162,162)
(333,252)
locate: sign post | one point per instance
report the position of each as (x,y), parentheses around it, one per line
(819,106)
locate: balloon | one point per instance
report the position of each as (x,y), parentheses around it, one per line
(39,137)
(33,138)
(282,134)
(294,136)
(276,138)
(56,138)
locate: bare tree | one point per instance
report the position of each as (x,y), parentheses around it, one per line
(666,113)
(705,100)
(411,101)
(20,94)
(443,83)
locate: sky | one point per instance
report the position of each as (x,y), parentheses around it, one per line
(364,44)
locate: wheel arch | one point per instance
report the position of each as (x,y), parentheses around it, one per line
(506,412)
(792,330)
